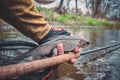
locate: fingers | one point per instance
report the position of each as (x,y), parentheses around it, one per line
(76,50)
(73,61)
(60,49)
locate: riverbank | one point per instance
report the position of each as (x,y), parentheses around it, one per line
(72,19)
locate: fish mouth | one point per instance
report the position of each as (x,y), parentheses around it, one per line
(83,43)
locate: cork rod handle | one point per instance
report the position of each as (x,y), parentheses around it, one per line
(7,72)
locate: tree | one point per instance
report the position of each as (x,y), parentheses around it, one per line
(103,8)
(95,7)
(76,1)
(98,8)
(60,9)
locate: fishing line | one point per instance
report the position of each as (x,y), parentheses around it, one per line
(99,49)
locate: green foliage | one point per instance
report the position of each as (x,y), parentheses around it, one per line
(75,19)
(67,18)
(94,21)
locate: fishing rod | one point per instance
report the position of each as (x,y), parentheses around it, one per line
(102,55)
(99,49)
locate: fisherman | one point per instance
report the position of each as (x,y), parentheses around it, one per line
(23,15)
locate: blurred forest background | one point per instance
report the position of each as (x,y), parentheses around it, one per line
(81,12)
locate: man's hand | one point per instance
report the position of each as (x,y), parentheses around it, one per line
(60,49)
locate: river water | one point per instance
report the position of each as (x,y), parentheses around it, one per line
(102,65)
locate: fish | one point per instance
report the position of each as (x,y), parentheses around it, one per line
(69,44)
